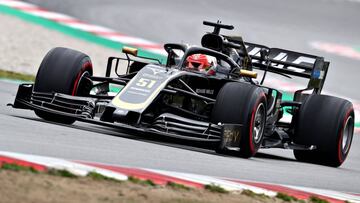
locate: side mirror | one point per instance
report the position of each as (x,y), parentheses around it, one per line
(129,50)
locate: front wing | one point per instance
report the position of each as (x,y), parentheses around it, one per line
(82,109)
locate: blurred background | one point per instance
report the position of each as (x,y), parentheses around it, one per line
(327,28)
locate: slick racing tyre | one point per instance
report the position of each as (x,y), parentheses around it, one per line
(328,123)
(64,71)
(245,104)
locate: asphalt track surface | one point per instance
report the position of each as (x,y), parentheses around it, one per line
(291,24)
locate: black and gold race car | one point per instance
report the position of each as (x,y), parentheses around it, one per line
(229,108)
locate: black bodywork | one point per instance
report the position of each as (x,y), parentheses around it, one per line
(180,102)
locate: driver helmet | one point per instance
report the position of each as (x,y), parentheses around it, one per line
(201,63)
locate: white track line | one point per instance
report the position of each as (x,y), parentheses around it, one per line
(60,164)
(16,4)
(207,180)
(51,15)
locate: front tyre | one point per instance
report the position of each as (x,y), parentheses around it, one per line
(63,71)
(328,123)
(245,104)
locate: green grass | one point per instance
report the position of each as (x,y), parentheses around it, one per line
(61,173)
(141,182)
(252,194)
(98,176)
(215,188)
(314,199)
(16,76)
(286,197)
(248,193)
(211,187)
(16,167)
(177,186)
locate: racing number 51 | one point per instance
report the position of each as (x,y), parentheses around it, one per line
(143,82)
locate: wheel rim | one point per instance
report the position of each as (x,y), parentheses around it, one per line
(259,123)
(347,134)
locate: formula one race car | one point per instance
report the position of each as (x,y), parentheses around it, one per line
(203,94)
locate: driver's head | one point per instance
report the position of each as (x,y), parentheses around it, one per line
(198,62)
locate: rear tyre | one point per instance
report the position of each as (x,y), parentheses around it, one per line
(328,123)
(241,103)
(64,71)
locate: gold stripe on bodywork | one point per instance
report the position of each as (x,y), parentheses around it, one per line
(131,106)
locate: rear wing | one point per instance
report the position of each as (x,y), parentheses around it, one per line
(290,63)
(286,62)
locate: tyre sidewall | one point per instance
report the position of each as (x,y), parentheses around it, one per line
(321,121)
(247,136)
(60,70)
